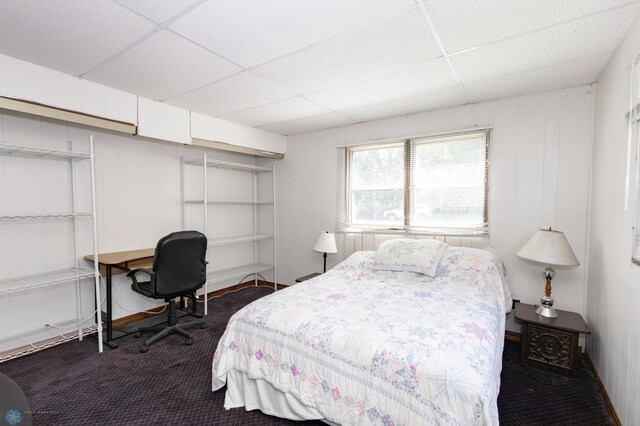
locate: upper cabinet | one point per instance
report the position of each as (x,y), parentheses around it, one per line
(161,121)
(30,82)
(258,142)
(65,97)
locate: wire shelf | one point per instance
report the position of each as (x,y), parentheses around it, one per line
(238,239)
(45,344)
(42,154)
(219,164)
(45,279)
(237,272)
(229,202)
(28,217)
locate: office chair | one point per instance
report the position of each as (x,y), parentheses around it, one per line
(179,269)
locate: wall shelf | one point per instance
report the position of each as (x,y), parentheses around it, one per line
(249,202)
(30,347)
(255,232)
(219,164)
(40,154)
(30,217)
(46,279)
(238,239)
(73,274)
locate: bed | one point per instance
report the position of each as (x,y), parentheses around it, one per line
(359,345)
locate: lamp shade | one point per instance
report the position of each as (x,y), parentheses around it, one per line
(326,243)
(550,248)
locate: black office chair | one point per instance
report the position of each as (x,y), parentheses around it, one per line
(179,269)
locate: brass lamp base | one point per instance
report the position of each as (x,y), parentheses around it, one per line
(545,308)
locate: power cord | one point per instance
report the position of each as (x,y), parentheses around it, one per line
(233,291)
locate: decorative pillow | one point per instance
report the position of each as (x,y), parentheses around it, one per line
(403,254)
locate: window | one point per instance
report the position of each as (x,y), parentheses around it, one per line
(434,184)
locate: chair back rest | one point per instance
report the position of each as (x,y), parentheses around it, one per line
(180,264)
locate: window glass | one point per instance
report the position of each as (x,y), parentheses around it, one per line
(429,183)
(377,185)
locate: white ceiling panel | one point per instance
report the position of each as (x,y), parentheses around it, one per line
(427,76)
(466,24)
(584,38)
(277,112)
(71,36)
(162,66)
(390,45)
(303,125)
(573,73)
(235,93)
(159,10)
(251,32)
(298,65)
(439,98)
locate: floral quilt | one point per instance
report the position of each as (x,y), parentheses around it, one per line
(364,346)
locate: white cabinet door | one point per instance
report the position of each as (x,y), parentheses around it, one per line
(161,121)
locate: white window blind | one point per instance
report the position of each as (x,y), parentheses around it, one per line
(437,184)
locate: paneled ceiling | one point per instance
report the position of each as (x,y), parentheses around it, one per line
(292,66)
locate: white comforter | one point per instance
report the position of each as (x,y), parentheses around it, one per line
(375,347)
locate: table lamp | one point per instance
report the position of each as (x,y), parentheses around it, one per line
(548,247)
(326,243)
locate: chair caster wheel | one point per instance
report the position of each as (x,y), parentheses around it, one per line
(137,335)
(144,349)
(189,342)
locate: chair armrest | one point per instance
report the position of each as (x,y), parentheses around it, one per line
(152,275)
(147,271)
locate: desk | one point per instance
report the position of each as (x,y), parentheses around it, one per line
(123,261)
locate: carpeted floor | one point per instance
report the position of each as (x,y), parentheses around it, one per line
(72,384)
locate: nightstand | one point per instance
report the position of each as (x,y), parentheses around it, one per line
(308,277)
(550,343)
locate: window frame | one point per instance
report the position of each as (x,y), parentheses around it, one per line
(410,145)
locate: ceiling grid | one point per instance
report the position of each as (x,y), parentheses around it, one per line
(289,67)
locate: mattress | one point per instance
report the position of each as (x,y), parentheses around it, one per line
(363,346)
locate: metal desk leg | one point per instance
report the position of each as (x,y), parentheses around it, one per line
(109,342)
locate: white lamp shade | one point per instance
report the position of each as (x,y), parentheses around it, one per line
(326,243)
(550,248)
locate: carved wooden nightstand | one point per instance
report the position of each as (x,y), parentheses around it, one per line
(550,343)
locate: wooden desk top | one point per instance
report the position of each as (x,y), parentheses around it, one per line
(120,257)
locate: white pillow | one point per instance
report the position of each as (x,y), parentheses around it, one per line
(403,254)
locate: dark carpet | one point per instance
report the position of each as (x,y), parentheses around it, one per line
(72,384)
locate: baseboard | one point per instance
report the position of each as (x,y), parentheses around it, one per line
(121,322)
(512,336)
(603,391)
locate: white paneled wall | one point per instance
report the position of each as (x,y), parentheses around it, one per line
(614,282)
(541,145)
(138,201)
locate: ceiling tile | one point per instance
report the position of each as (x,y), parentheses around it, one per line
(584,38)
(430,75)
(71,36)
(557,76)
(251,32)
(278,112)
(303,125)
(162,66)
(235,93)
(159,10)
(464,24)
(434,99)
(387,46)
